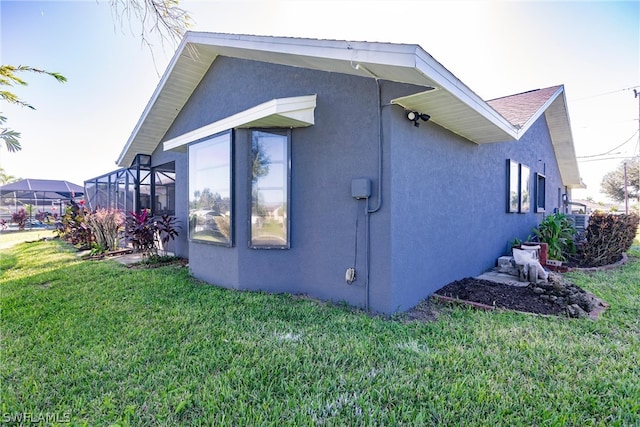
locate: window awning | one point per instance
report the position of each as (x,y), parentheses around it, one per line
(294,112)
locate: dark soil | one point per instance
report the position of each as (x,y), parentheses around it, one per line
(556,296)
(501,296)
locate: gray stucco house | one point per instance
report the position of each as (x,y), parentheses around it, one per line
(349,171)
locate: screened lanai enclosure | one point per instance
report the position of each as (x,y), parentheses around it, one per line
(43,199)
(134,189)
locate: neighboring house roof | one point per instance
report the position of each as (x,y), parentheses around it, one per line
(42,189)
(451,105)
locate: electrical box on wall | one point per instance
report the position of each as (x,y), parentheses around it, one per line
(361,188)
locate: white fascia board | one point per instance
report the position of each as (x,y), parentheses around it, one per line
(352,51)
(155,95)
(445,80)
(542,110)
(299,110)
(159,88)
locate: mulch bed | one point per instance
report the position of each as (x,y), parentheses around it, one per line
(182,262)
(500,295)
(556,297)
(107,254)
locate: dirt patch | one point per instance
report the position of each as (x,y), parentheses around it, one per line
(500,295)
(556,297)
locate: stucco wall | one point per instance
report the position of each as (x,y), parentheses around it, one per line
(449,217)
(342,145)
(443,215)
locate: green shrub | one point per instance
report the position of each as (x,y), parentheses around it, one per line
(558,232)
(607,237)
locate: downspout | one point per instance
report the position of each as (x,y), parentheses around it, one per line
(368,210)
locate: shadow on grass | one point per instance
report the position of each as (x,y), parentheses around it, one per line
(7,262)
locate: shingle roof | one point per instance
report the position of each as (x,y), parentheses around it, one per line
(519,108)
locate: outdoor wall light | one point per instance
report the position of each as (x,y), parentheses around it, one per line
(414,116)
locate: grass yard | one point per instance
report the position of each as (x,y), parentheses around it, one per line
(8,239)
(100,344)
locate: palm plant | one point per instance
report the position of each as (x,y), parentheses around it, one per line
(557,231)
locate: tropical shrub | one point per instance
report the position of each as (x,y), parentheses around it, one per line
(105,225)
(20,218)
(73,226)
(140,232)
(558,232)
(167,230)
(148,234)
(607,237)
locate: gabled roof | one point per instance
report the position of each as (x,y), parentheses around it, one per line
(523,109)
(451,105)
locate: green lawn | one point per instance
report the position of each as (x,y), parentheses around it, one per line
(106,345)
(8,239)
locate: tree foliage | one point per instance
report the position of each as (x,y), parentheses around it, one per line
(9,76)
(5,178)
(613,182)
(164,18)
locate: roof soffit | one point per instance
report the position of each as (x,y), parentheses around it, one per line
(394,62)
(559,125)
(453,105)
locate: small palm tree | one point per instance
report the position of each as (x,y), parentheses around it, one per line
(9,77)
(6,178)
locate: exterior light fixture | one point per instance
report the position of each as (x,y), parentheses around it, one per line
(415,117)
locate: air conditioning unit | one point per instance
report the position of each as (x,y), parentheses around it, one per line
(580,221)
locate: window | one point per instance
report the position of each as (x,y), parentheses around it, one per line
(525,185)
(540,182)
(269,189)
(210,190)
(519,184)
(513,191)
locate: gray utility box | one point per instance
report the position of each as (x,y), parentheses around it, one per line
(361,188)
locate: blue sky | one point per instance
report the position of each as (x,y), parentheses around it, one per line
(496,48)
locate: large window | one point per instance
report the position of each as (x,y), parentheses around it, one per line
(210,190)
(518,187)
(269,189)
